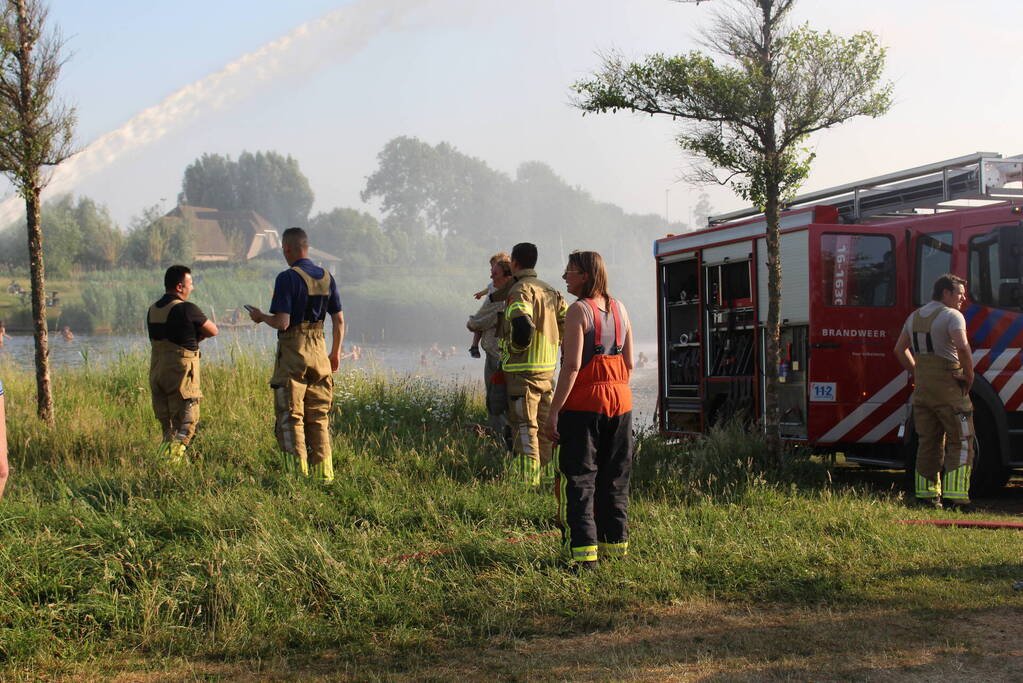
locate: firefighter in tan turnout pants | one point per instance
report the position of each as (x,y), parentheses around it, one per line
(941,364)
(303,382)
(534,322)
(175,328)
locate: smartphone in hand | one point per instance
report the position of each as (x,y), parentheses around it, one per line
(249,308)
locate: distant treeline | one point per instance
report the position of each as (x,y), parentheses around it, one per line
(391,308)
(439,208)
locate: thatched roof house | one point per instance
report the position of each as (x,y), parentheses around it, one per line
(226,235)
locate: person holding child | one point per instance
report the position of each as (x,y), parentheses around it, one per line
(486,325)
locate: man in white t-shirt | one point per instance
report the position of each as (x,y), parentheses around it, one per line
(941,365)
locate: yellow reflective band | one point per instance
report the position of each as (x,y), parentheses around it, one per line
(520,306)
(561,481)
(957,485)
(324,471)
(526,470)
(614,549)
(584,553)
(540,356)
(927,488)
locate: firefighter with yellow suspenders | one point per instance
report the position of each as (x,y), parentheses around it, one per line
(303,383)
(941,364)
(175,328)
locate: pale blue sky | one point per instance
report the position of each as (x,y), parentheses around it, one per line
(493,79)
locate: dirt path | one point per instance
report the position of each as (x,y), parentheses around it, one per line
(704,641)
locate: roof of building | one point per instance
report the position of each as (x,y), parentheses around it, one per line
(221,234)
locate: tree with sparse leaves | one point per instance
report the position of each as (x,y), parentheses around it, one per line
(35,135)
(749,115)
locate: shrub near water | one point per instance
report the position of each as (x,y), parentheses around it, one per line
(104,548)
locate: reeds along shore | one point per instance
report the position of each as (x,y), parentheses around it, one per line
(104,548)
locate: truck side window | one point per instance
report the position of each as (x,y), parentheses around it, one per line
(985,276)
(933,259)
(859,270)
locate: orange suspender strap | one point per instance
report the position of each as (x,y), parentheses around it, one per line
(613,307)
(619,334)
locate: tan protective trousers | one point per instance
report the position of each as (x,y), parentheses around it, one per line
(303,389)
(943,417)
(174,384)
(529,402)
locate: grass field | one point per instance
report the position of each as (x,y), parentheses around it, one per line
(115,564)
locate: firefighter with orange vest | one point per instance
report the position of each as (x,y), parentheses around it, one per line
(303,384)
(176,326)
(591,418)
(534,320)
(934,349)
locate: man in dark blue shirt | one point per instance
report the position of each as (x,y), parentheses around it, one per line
(304,295)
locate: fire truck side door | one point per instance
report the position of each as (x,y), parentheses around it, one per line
(859,293)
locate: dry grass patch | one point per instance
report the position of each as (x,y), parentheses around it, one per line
(699,641)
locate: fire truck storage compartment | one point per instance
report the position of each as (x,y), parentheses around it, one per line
(792,381)
(730,349)
(795,281)
(681,344)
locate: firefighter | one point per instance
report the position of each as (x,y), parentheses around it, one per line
(591,418)
(941,365)
(176,326)
(302,381)
(534,320)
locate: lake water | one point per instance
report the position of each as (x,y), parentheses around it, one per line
(99,349)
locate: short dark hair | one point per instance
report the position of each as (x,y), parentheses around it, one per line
(947,281)
(174,276)
(295,237)
(525,254)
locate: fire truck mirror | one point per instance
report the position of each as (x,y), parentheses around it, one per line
(1010,252)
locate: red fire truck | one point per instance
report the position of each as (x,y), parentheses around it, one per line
(856,261)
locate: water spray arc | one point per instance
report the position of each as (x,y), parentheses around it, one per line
(307,48)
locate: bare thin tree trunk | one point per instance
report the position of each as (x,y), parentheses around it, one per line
(44,395)
(772,185)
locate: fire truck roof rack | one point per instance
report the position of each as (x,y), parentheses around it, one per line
(983,176)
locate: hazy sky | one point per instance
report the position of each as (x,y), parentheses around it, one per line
(490,77)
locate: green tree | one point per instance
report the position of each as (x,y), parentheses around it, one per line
(63,237)
(36,136)
(437,189)
(81,234)
(265,182)
(353,236)
(102,240)
(156,241)
(751,115)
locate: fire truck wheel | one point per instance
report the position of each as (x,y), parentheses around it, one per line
(989,474)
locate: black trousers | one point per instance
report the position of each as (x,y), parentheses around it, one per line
(594,463)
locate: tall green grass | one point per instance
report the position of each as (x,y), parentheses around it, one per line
(104,547)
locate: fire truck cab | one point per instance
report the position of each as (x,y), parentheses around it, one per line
(856,261)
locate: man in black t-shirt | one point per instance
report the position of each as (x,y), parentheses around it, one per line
(175,329)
